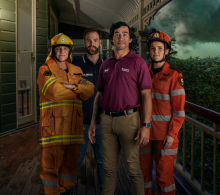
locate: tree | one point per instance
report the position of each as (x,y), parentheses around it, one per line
(173,52)
(134,44)
(149,32)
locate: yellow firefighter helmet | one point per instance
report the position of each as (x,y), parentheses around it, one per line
(61,40)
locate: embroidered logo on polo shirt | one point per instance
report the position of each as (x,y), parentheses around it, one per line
(124,69)
(87,74)
(106,70)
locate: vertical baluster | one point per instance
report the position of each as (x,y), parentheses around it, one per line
(192,152)
(215,179)
(202,160)
(177,160)
(184,146)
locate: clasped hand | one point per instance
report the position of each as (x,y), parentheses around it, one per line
(72,86)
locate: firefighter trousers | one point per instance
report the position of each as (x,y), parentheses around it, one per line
(164,160)
(58,168)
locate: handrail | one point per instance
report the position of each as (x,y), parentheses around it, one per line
(215,118)
(204,112)
(203,127)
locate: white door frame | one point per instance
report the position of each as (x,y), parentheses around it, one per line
(33,116)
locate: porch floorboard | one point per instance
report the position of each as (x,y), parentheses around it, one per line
(20,167)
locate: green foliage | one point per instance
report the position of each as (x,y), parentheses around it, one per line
(172,53)
(134,44)
(149,32)
(208,182)
(202,81)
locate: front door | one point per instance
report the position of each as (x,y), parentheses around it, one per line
(25,61)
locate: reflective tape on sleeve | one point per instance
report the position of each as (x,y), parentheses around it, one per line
(61,103)
(178,113)
(48,83)
(165,152)
(177,92)
(148,184)
(88,82)
(160,118)
(46,182)
(145,150)
(160,96)
(167,189)
(67,177)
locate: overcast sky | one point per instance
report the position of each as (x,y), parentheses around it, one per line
(195,24)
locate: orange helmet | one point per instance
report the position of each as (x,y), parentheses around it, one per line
(160,36)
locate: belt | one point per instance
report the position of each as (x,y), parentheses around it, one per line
(115,114)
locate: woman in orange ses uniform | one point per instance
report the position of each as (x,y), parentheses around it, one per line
(62,90)
(168,100)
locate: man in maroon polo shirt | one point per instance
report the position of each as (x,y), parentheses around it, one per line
(124,83)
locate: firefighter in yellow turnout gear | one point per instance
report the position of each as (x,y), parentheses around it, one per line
(62,90)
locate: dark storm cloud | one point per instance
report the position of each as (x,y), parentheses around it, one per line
(186,50)
(190,21)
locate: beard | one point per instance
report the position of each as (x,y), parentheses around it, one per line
(90,51)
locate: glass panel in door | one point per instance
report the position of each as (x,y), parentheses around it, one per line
(25,61)
(24,84)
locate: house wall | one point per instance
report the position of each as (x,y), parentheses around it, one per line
(8,115)
(8,44)
(41,39)
(55,9)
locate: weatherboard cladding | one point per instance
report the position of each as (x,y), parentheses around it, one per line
(8,66)
(42,21)
(8,58)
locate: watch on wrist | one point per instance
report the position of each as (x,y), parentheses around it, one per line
(148,125)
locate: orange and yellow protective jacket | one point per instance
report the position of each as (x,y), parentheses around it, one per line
(168,100)
(61,116)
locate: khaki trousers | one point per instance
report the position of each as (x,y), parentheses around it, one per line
(116,133)
(58,168)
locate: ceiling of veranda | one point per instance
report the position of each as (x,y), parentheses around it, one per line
(101,13)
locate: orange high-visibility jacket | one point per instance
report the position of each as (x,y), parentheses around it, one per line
(61,116)
(168,100)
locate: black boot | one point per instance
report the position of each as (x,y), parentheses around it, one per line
(65,193)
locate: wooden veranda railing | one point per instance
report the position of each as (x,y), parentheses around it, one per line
(215,118)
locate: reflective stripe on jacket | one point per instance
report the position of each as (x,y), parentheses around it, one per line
(168,100)
(61,116)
